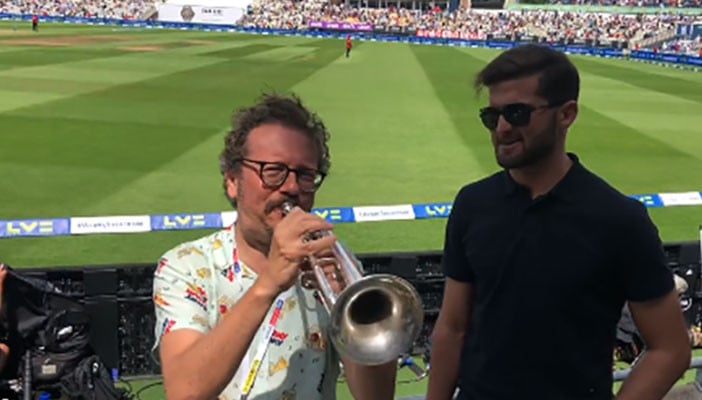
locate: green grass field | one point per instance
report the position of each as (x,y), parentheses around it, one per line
(131,122)
(107,121)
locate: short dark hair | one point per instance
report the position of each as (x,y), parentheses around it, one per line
(288,111)
(559,81)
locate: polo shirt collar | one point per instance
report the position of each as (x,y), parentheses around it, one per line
(565,189)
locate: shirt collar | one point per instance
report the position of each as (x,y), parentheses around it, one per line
(565,189)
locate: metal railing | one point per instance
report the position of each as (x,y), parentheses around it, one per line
(696,364)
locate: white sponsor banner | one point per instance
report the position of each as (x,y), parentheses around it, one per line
(681,199)
(228,218)
(116,224)
(383,213)
(199,14)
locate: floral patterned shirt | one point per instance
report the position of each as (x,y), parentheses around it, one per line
(195,284)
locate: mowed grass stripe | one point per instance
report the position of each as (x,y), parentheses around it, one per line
(637,75)
(631,160)
(230,86)
(10,99)
(281,54)
(5,58)
(54,87)
(672,120)
(388,127)
(126,68)
(37,56)
(165,39)
(189,182)
(662,70)
(226,50)
(100,74)
(179,42)
(242,46)
(180,100)
(58,193)
(24,28)
(451,71)
(59,167)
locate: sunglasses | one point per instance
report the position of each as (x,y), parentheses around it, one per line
(516,114)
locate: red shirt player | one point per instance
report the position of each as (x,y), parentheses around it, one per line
(35,22)
(348,45)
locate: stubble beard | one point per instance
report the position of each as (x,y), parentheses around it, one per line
(541,146)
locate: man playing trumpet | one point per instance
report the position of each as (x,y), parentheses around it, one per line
(232,319)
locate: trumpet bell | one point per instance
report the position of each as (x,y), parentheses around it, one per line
(375,319)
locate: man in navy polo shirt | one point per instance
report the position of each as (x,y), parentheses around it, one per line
(540,258)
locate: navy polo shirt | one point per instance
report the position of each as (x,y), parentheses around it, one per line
(550,276)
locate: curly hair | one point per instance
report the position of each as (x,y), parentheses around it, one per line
(288,111)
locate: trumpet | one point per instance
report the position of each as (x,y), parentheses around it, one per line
(374,318)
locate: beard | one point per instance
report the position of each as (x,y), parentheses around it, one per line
(539,147)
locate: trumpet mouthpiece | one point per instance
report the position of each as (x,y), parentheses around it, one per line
(287,207)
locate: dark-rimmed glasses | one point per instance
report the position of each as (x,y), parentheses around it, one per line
(273,174)
(516,114)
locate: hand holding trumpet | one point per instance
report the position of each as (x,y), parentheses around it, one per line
(291,249)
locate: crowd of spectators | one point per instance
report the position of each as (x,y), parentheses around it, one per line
(124,9)
(559,25)
(634,3)
(474,24)
(291,15)
(689,47)
(470,23)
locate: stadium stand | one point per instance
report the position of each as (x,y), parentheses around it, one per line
(636,30)
(124,9)
(688,47)
(646,30)
(635,3)
(473,24)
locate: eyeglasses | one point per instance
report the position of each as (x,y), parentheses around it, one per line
(273,174)
(517,114)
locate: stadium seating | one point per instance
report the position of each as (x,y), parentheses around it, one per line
(636,30)
(124,9)
(634,3)
(473,24)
